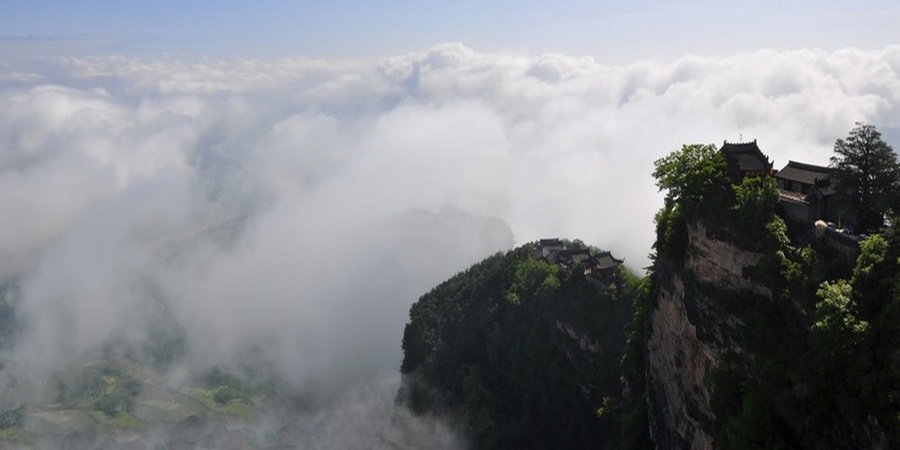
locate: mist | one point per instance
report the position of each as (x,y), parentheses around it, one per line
(294,209)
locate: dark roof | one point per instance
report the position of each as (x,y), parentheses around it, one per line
(804,173)
(550,242)
(747,155)
(606,260)
(580,255)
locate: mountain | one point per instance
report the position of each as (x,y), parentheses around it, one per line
(523,347)
(749,330)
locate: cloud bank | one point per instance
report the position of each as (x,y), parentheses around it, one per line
(295,208)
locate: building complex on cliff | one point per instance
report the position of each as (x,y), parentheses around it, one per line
(595,265)
(806,191)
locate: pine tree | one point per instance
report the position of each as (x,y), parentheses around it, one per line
(867,175)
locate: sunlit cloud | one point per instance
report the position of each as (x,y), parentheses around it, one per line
(300,206)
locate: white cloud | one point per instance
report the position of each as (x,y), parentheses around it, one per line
(303,205)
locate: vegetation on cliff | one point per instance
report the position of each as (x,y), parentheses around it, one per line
(522,350)
(818,360)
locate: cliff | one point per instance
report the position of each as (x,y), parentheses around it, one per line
(757,343)
(754,333)
(690,334)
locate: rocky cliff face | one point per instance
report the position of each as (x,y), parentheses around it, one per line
(690,332)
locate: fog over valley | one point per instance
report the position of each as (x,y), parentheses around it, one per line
(282,215)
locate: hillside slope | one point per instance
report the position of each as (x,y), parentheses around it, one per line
(523,351)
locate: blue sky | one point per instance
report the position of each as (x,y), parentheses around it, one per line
(618,32)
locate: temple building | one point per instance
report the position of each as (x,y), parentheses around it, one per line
(807,193)
(596,266)
(744,160)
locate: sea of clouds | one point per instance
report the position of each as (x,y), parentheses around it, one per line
(295,208)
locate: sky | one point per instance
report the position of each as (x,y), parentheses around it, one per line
(609,31)
(292,176)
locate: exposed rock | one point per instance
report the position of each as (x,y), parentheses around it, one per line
(689,334)
(585,343)
(678,363)
(720,263)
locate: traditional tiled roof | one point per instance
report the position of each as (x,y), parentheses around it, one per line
(580,255)
(606,261)
(553,251)
(555,242)
(804,173)
(747,155)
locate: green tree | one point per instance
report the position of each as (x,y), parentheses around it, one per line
(694,175)
(756,199)
(876,277)
(696,182)
(833,317)
(867,174)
